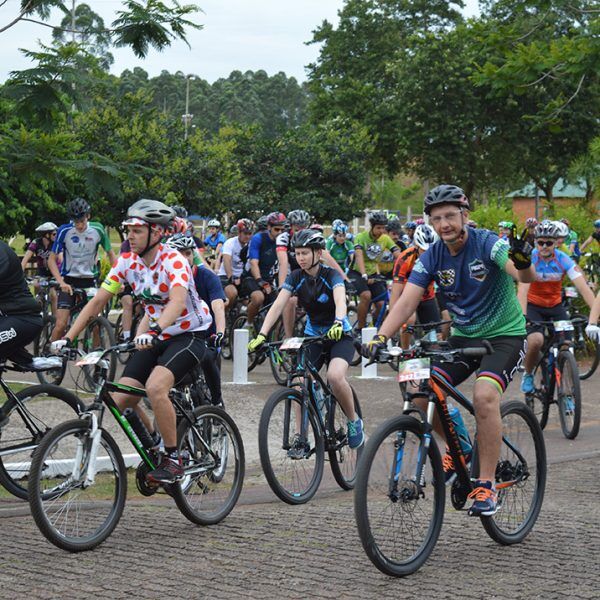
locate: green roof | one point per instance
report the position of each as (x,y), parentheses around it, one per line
(560,190)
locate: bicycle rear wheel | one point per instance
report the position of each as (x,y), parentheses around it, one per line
(342,459)
(521,470)
(213,457)
(71,513)
(398,510)
(587,352)
(539,400)
(41,347)
(98,335)
(291,446)
(569,395)
(45,406)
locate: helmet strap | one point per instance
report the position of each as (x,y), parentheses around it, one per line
(149,247)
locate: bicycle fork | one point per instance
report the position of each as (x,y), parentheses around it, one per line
(87,463)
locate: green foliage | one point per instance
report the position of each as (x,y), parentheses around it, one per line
(488,217)
(393,194)
(580,218)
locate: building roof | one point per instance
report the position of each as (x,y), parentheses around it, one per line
(562,189)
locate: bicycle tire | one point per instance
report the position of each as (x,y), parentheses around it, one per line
(48,504)
(540,399)
(295,484)
(587,352)
(356,335)
(281,363)
(506,526)
(87,378)
(209,505)
(570,416)
(374,465)
(14,473)
(342,459)
(41,347)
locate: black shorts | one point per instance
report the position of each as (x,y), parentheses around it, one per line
(544,313)
(377,289)
(16,331)
(322,352)
(498,368)
(65,300)
(428,311)
(179,354)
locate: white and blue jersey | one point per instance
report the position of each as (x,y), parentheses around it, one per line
(80,250)
(478,292)
(214,240)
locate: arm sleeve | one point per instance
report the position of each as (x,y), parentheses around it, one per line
(59,242)
(336,279)
(213,285)
(496,249)
(32,246)
(179,271)
(290,282)
(104,239)
(254,249)
(115,277)
(228,247)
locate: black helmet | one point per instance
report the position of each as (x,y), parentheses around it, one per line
(180,211)
(445,194)
(377,218)
(309,238)
(150,211)
(78,208)
(262,223)
(394,225)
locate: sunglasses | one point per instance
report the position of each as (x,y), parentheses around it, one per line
(542,243)
(276,229)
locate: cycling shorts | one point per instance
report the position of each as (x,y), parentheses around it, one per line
(180,354)
(378,288)
(65,300)
(498,368)
(543,313)
(16,331)
(428,311)
(321,352)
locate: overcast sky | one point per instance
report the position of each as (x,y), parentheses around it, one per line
(237,34)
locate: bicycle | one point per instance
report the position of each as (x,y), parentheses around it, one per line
(78,470)
(281,363)
(556,373)
(587,352)
(298,425)
(25,419)
(400,486)
(98,333)
(136,317)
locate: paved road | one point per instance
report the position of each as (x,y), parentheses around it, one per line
(265,548)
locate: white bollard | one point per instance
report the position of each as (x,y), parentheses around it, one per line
(370,372)
(240,356)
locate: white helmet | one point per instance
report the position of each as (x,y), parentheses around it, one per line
(46,227)
(562,229)
(214,223)
(424,236)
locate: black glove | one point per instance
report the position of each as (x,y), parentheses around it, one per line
(371,349)
(520,250)
(216,340)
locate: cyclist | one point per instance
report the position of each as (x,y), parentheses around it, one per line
(541,300)
(475,271)
(235,257)
(572,241)
(40,248)
(531,223)
(505,229)
(177,319)
(427,311)
(369,247)
(78,241)
(321,292)
(562,231)
(262,223)
(208,286)
(213,243)
(394,230)
(594,237)
(409,227)
(340,248)
(262,254)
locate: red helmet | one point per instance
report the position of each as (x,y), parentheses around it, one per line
(531,222)
(245,225)
(177,225)
(276,218)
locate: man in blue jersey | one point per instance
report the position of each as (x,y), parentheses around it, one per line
(79,241)
(475,271)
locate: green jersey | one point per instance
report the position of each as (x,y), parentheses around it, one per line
(373,249)
(343,254)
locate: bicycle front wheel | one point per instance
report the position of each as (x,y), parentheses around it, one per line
(520,476)
(291,446)
(342,458)
(587,352)
(214,463)
(71,511)
(399,496)
(42,408)
(539,400)
(569,395)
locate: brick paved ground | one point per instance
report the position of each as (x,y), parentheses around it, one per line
(268,549)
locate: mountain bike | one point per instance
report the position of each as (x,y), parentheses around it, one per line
(25,419)
(556,374)
(298,425)
(282,363)
(400,486)
(78,479)
(136,317)
(97,334)
(587,352)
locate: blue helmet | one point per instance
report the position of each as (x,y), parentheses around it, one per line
(340,228)
(597,223)
(410,225)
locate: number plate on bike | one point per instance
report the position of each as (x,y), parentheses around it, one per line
(292,343)
(416,368)
(563,326)
(571,292)
(90,359)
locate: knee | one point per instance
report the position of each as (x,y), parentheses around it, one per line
(486,400)
(365,296)
(257,298)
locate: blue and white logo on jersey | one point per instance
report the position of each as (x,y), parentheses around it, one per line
(323,298)
(477,270)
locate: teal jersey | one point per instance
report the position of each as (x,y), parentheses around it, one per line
(343,254)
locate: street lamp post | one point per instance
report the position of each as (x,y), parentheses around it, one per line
(187,117)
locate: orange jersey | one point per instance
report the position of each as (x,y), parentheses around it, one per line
(404,265)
